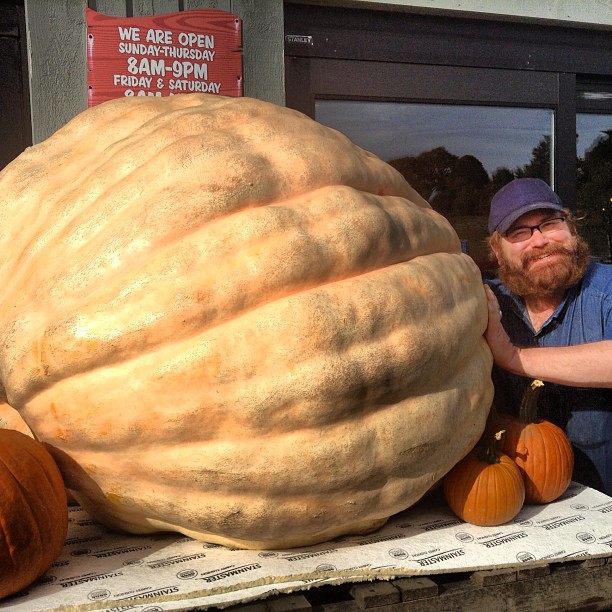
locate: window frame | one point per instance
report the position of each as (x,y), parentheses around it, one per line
(378,55)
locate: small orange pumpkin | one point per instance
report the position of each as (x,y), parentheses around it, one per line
(33,511)
(541,450)
(485,488)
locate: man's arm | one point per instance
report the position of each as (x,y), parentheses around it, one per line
(583,365)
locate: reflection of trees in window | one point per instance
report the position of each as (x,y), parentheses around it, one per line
(539,166)
(594,195)
(460,188)
(451,184)
(460,185)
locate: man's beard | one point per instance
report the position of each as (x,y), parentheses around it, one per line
(563,273)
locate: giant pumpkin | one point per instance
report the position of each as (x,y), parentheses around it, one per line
(226,319)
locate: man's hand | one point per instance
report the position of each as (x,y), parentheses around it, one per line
(504,352)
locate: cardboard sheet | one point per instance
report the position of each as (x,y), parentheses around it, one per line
(101,570)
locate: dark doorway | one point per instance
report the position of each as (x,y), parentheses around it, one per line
(15,126)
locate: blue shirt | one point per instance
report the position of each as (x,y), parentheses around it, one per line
(584,315)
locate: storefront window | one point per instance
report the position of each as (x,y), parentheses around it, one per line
(594,181)
(455,156)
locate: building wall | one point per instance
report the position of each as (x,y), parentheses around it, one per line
(581,13)
(56,40)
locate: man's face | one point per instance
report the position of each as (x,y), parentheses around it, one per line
(545,262)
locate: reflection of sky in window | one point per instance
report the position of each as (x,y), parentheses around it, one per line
(497,136)
(589,128)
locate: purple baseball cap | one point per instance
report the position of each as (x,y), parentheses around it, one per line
(518,197)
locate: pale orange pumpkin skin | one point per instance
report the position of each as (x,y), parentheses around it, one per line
(33,511)
(11,419)
(482,492)
(228,320)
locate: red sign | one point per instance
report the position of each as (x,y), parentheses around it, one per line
(163,55)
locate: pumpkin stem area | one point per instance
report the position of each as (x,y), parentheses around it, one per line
(488,452)
(528,411)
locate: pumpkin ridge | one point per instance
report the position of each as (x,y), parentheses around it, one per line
(161,364)
(346,404)
(45,351)
(49,479)
(28,164)
(493,484)
(189,497)
(90,352)
(16,550)
(48,206)
(560,463)
(394,256)
(338,430)
(86,214)
(4,544)
(126,144)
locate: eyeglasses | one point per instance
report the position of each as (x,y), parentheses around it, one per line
(525,232)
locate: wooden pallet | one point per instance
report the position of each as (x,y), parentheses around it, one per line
(557,587)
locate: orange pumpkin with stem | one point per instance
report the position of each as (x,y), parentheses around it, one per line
(540,448)
(33,511)
(486,487)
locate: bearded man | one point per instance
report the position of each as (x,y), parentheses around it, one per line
(550,318)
